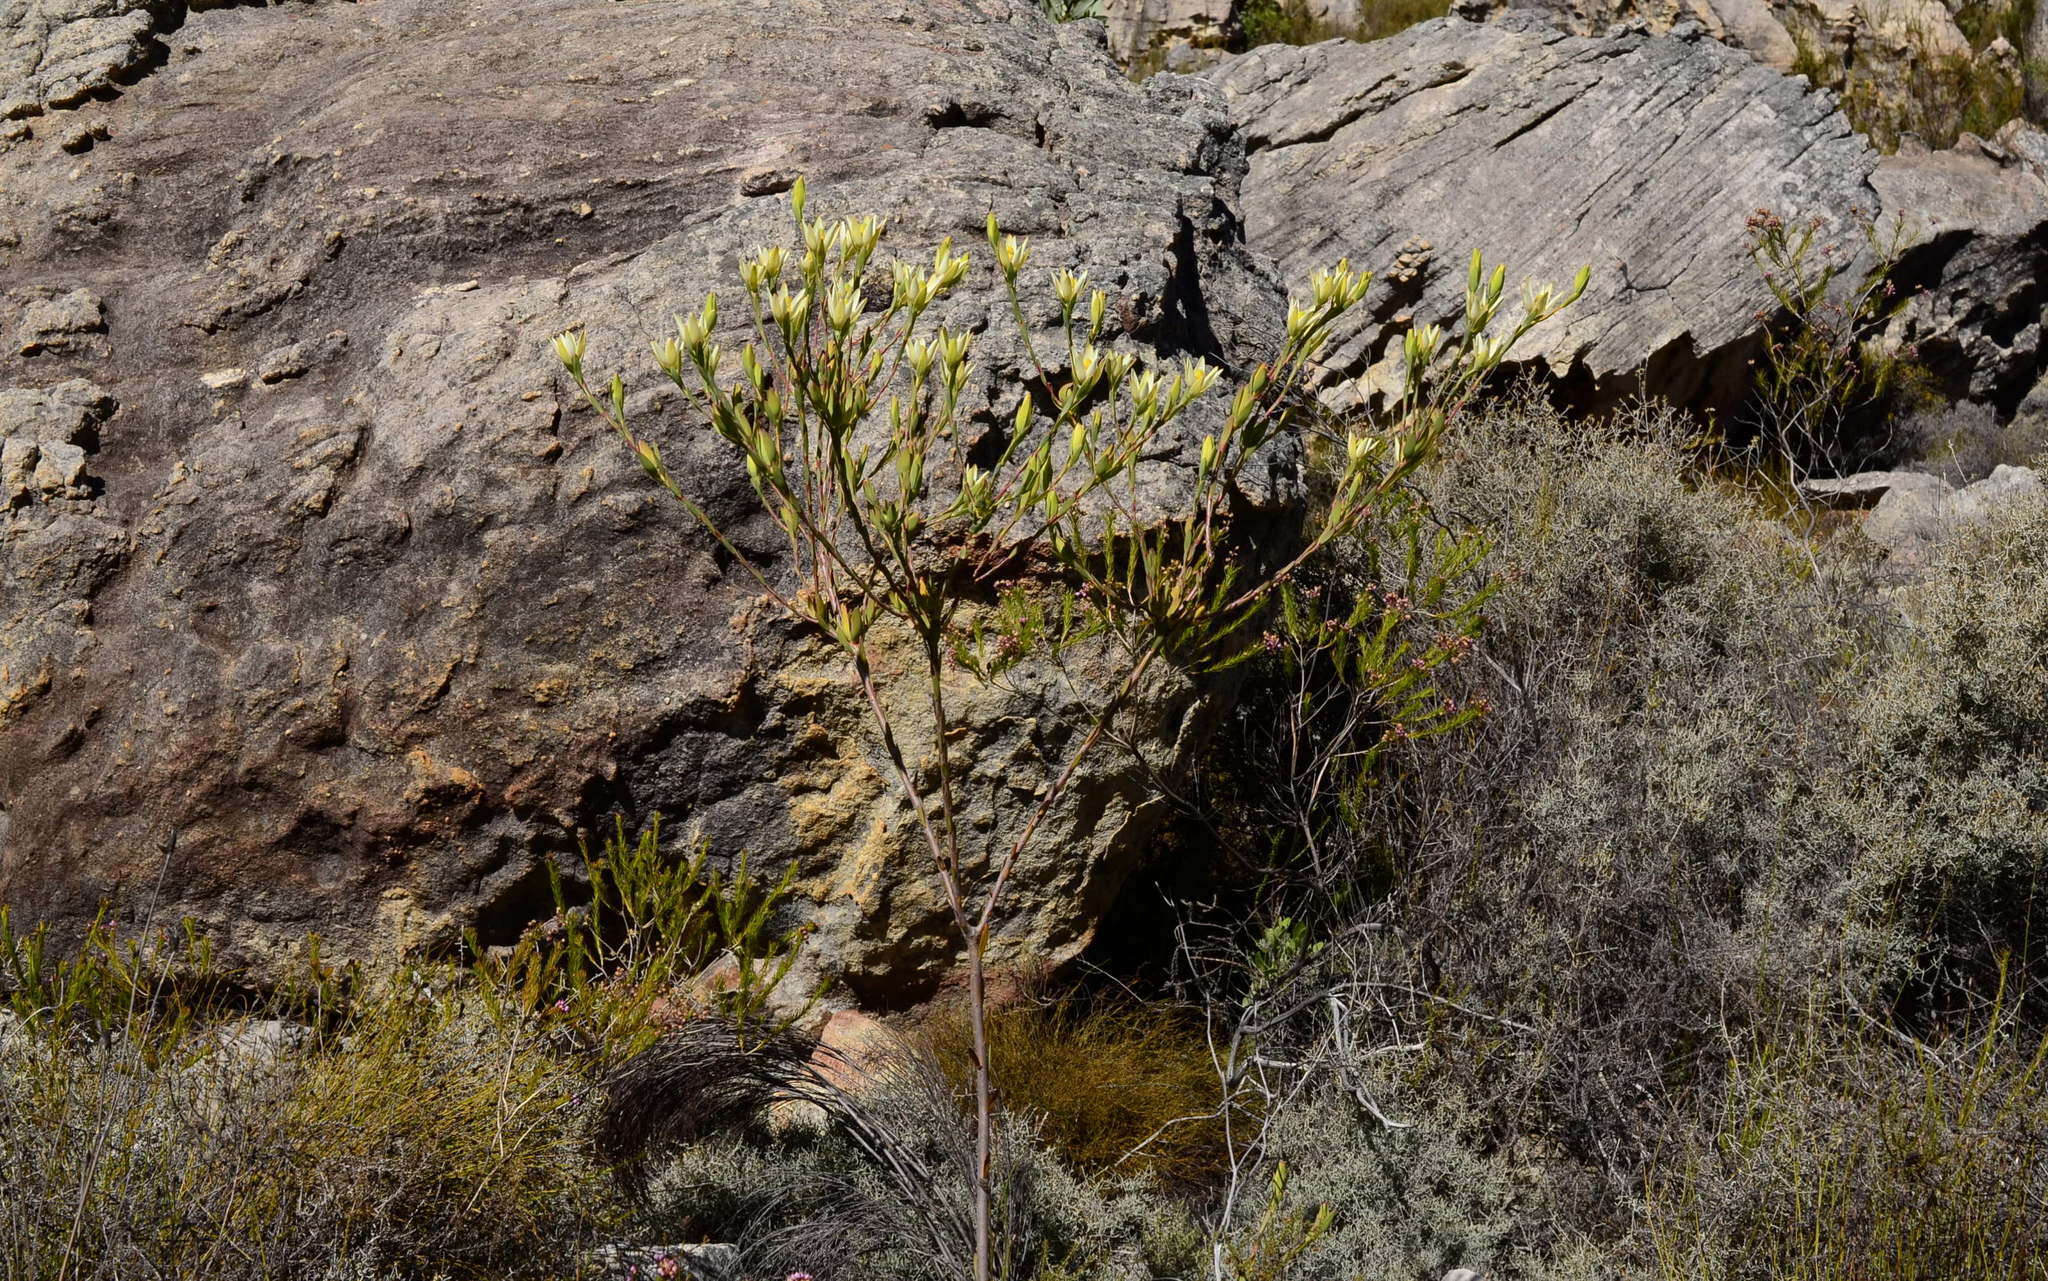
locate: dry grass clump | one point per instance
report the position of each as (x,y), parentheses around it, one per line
(1943,800)
(1844,1151)
(1115,1089)
(1607,857)
(160,1118)
(1963,443)
(1567,952)
(416,1138)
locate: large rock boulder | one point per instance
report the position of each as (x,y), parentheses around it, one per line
(1910,513)
(1640,156)
(1976,217)
(315,566)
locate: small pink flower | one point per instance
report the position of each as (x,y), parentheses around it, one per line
(562,1006)
(667,1267)
(799,1276)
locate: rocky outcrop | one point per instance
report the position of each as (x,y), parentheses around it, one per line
(1641,157)
(1911,512)
(1841,33)
(1752,26)
(59,53)
(1176,35)
(315,565)
(1977,218)
(1638,156)
(1907,63)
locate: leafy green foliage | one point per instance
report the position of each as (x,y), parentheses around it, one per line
(596,969)
(110,984)
(852,421)
(1830,385)
(1281,1235)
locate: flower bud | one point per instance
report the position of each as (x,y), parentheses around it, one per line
(953,350)
(1087,367)
(569,348)
(1145,393)
(693,333)
(1242,405)
(668,356)
(1067,286)
(650,458)
(863,234)
(843,305)
(1011,255)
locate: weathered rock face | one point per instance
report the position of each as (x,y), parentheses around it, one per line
(1977,217)
(1865,33)
(1750,25)
(1911,512)
(1884,52)
(1179,34)
(1639,156)
(60,52)
(311,559)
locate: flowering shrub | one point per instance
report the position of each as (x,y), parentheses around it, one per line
(1829,382)
(850,417)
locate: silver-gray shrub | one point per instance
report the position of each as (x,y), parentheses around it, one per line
(1554,920)
(1728,783)
(1943,808)
(1621,848)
